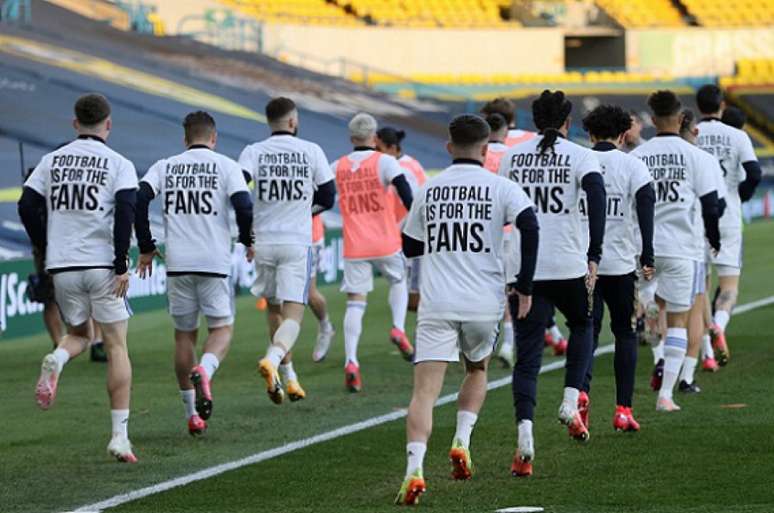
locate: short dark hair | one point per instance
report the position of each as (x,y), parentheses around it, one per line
(733,116)
(198,125)
(496,122)
(708,98)
(278,108)
(664,103)
(92,109)
(466,130)
(607,122)
(502,106)
(391,136)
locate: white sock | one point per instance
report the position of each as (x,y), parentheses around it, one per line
(706,347)
(465,422)
(353,326)
(275,354)
(658,351)
(689,366)
(721,318)
(525,429)
(189,402)
(556,333)
(398,299)
(287,371)
(415,453)
(674,353)
(210,363)
(508,334)
(571,396)
(62,357)
(120,419)
(287,334)
(325,324)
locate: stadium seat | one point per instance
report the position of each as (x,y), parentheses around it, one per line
(430,13)
(732,13)
(751,72)
(313,12)
(643,13)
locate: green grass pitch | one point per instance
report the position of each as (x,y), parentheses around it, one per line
(707,458)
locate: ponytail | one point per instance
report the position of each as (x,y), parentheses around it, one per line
(549,112)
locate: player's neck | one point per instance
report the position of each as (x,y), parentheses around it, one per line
(604,145)
(713,116)
(466,161)
(94,137)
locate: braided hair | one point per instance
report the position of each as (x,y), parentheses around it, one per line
(391,136)
(549,112)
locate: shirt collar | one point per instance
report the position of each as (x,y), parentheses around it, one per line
(283,132)
(604,146)
(711,118)
(199,147)
(667,134)
(473,162)
(364,148)
(92,137)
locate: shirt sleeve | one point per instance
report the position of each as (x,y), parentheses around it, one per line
(322,170)
(126,178)
(746,150)
(414,225)
(39,178)
(705,173)
(640,175)
(153,177)
(587,164)
(389,169)
(235,181)
(247,161)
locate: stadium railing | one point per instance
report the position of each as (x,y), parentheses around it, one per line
(220,27)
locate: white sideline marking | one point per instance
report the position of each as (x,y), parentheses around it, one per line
(209,472)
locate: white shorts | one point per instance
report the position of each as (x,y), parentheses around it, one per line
(359,276)
(191,294)
(729,259)
(282,273)
(674,280)
(442,341)
(89,293)
(414,272)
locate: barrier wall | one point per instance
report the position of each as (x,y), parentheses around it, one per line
(20,317)
(695,51)
(406,51)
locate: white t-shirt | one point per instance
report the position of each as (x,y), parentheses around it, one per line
(624,175)
(388,168)
(732,147)
(286,171)
(460,215)
(553,182)
(79,182)
(682,174)
(195,188)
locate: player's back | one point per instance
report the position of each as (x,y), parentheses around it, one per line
(286,171)
(494,154)
(731,147)
(195,188)
(518,136)
(460,216)
(363,178)
(624,175)
(682,173)
(416,178)
(79,182)
(553,180)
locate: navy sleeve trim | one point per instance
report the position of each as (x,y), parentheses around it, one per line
(145,239)
(596,199)
(126,201)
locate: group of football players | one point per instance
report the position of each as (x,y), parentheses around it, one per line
(520,225)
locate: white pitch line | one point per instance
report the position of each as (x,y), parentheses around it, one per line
(330,435)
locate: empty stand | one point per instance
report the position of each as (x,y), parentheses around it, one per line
(751,72)
(318,12)
(643,13)
(731,13)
